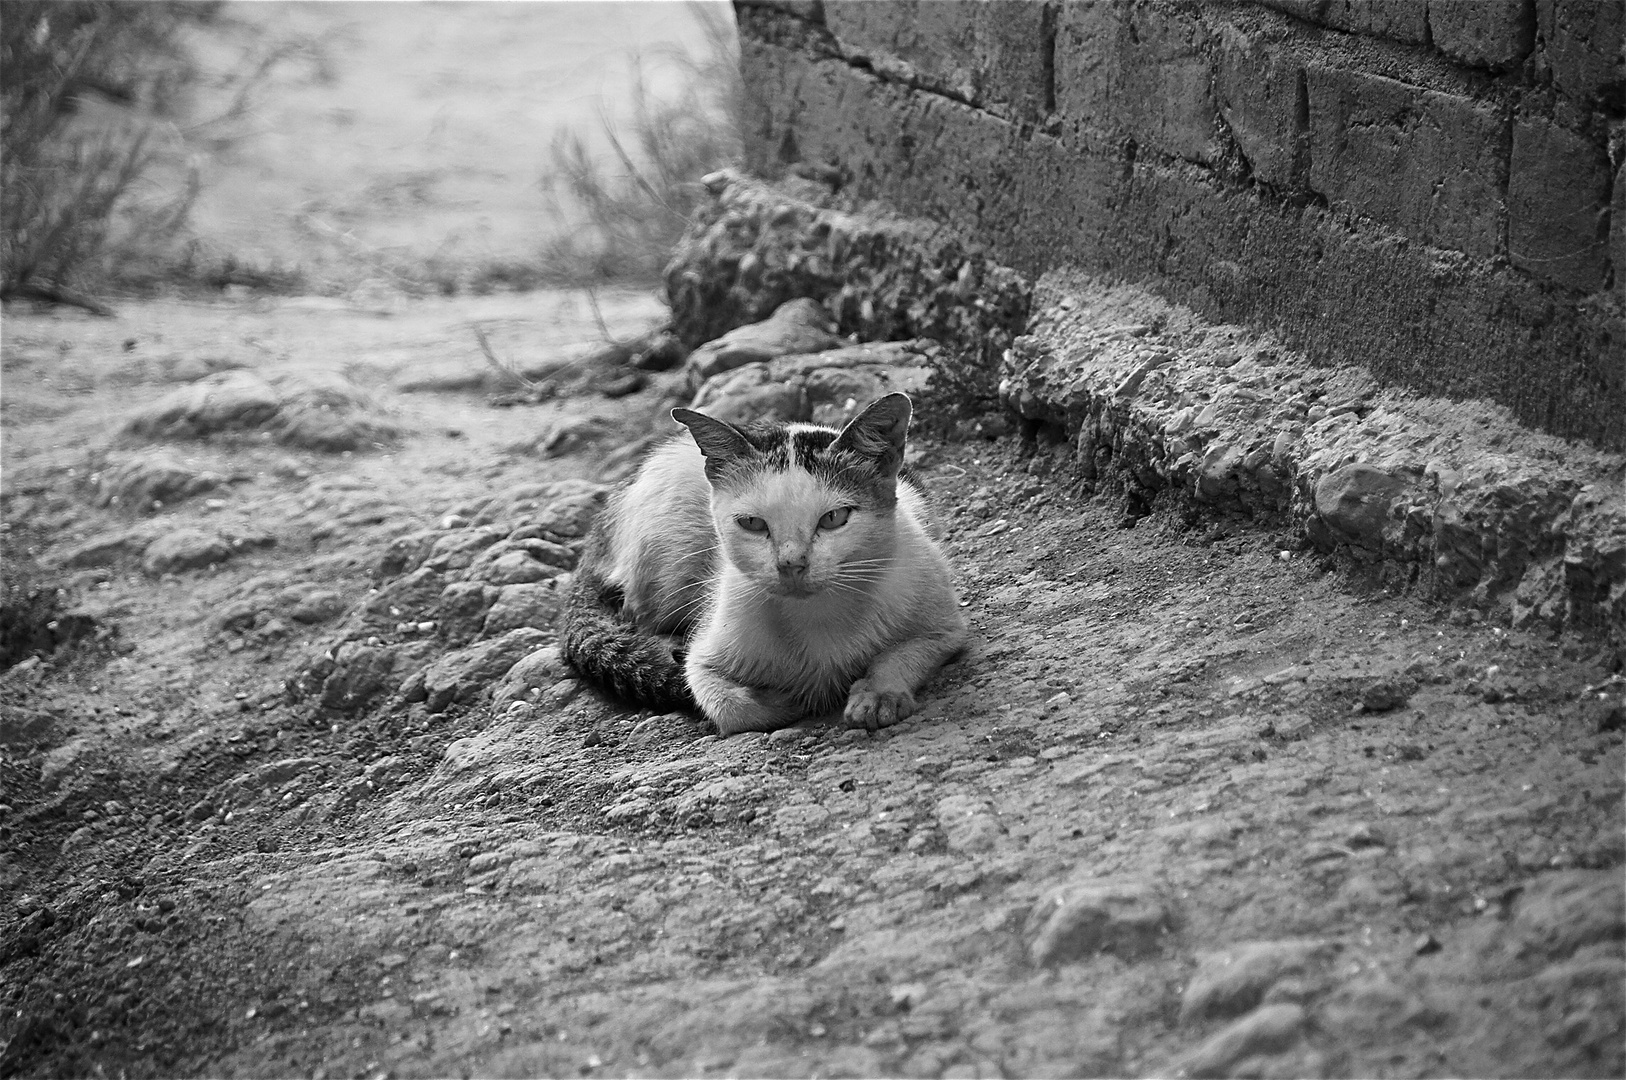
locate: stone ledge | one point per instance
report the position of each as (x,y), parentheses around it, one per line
(1455,498)
(880,277)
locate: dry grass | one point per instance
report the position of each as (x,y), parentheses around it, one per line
(283,148)
(101,144)
(617,218)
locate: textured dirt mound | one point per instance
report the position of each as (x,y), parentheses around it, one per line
(313,408)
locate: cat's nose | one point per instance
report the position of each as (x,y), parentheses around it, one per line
(794,569)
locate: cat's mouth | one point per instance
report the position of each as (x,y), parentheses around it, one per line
(795,590)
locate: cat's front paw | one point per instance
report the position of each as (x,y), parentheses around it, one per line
(870,708)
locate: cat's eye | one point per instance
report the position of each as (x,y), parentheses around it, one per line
(751,524)
(836,518)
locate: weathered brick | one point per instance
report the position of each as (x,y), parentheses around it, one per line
(1138,70)
(1260,93)
(1396,20)
(1584,47)
(1557,205)
(1308,10)
(1427,163)
(995,56)
(1496,34)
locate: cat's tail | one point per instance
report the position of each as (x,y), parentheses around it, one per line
(607,650)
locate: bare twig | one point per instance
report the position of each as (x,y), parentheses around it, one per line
(603,328)
(491,358)
(57,294)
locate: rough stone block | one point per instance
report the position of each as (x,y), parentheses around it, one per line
(1354,502)
(995,56)
(1558,211)
(1308,10)
(1496,34)
(1140,72)
(1260,93)
(1427,163)
(1396,20)
(1584,41)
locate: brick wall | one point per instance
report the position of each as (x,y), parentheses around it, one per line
(1430,188)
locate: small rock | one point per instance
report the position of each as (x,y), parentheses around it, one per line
(1605,715)
(537,670)
(513,568)
(1564,911)
(1124,917)
(796,326)
(149,479)
(799,818)
(360,672)
(462,607)
(1425,944)
(572,515)
(740,405)
(106,550)
(1354,502)
(184,549)
(317,606)
(1233,980)
(224,401)
(1271,1029)
(1386,693)
(968,823)
(461,675)
(535,606)
(456,550)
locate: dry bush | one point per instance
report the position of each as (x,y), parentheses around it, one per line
(618,219)
(98,142)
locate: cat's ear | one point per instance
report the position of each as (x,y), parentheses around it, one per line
(878,432)
(720,442)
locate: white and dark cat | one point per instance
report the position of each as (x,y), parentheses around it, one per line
(767,574)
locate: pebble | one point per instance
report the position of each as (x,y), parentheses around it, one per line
(1088,916)
(1271,1029)
(1384,694)
(1233,980)
(184,549)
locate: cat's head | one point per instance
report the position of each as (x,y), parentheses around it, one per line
(802,508)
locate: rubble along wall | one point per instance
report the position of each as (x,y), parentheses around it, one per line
(1429,189)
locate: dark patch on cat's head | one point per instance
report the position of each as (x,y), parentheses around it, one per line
(863,458)
(866,456)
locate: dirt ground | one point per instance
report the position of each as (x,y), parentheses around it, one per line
(1192,805)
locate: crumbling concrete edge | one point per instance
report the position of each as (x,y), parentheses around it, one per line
(1456,499)
(751,246)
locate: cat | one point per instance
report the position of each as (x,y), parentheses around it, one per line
(768,574)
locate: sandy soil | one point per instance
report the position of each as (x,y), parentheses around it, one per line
(1190,806)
